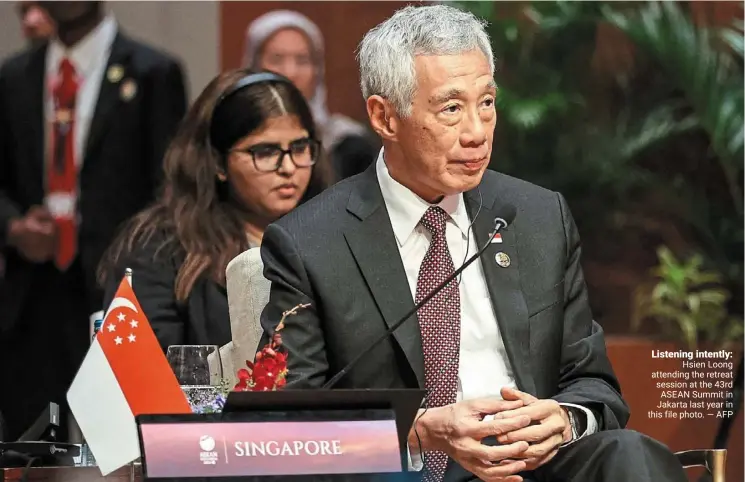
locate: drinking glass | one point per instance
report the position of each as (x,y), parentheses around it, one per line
(195,364)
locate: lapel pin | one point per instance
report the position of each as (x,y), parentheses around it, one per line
(115,73)
(128,90)
(503,259)
(497,238)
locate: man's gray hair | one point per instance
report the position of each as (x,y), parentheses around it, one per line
(386,53)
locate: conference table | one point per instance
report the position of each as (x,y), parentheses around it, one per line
(69,474)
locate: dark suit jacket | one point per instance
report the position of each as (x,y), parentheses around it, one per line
(338,252)
(203,319)
(122,163)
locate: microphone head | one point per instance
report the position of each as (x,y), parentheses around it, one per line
(505,216)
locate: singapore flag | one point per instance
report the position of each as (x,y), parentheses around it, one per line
(124,374)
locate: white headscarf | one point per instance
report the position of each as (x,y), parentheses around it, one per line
(332,127)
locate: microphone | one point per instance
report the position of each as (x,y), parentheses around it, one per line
(505,218)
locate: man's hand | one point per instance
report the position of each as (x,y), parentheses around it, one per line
(550,427)
(34,235)
(458,430)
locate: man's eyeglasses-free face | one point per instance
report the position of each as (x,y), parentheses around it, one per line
(269,157)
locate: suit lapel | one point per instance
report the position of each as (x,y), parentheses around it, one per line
(503,282)
(381,266)
(109,94)
(36,94)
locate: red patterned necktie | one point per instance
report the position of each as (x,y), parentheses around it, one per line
(439,323)
(62,188)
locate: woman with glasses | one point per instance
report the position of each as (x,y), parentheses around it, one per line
(245,154)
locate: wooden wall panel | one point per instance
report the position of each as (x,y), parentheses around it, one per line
(343,25)
(716,14)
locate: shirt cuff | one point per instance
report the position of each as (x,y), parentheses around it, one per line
(416,463)
(591,425)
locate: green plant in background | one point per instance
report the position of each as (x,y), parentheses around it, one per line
(710,78)
(549,130)
(600,145)
(688,301)
(706,66)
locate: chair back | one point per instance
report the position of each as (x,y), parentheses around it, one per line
(248,294)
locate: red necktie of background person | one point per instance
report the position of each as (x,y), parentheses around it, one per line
(439,324)
(62,182)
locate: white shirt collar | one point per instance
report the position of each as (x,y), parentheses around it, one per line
(90,51)
(406,209)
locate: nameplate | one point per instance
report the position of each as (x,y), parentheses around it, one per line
(220,448)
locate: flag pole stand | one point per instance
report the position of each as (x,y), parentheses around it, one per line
(133,470)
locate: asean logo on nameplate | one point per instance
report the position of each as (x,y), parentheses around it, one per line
(124,374)
(208,456)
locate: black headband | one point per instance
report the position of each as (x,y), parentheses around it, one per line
(250,79)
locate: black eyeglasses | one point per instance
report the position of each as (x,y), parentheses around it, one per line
(269,157)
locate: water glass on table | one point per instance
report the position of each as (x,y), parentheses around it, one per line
(195,364)
(198,369)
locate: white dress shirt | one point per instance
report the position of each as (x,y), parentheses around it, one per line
(481,344)
(89,57)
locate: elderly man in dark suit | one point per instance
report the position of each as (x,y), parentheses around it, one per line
(84,121)
(508,353)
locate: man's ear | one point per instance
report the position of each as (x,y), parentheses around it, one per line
(383,118)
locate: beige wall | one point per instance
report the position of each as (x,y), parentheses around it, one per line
(187,30)
(10,30)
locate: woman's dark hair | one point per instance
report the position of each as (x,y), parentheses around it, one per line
(194,216)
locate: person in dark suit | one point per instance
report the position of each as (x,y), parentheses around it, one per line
(245,155)
(84,122)
(508,353)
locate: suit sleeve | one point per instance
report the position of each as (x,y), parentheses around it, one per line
(168,104)
(302,335)
(8,208)
(586,376)
(153,281)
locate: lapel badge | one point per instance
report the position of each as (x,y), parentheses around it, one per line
(503,259)
(115,73)
(128,90)
(497,238)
